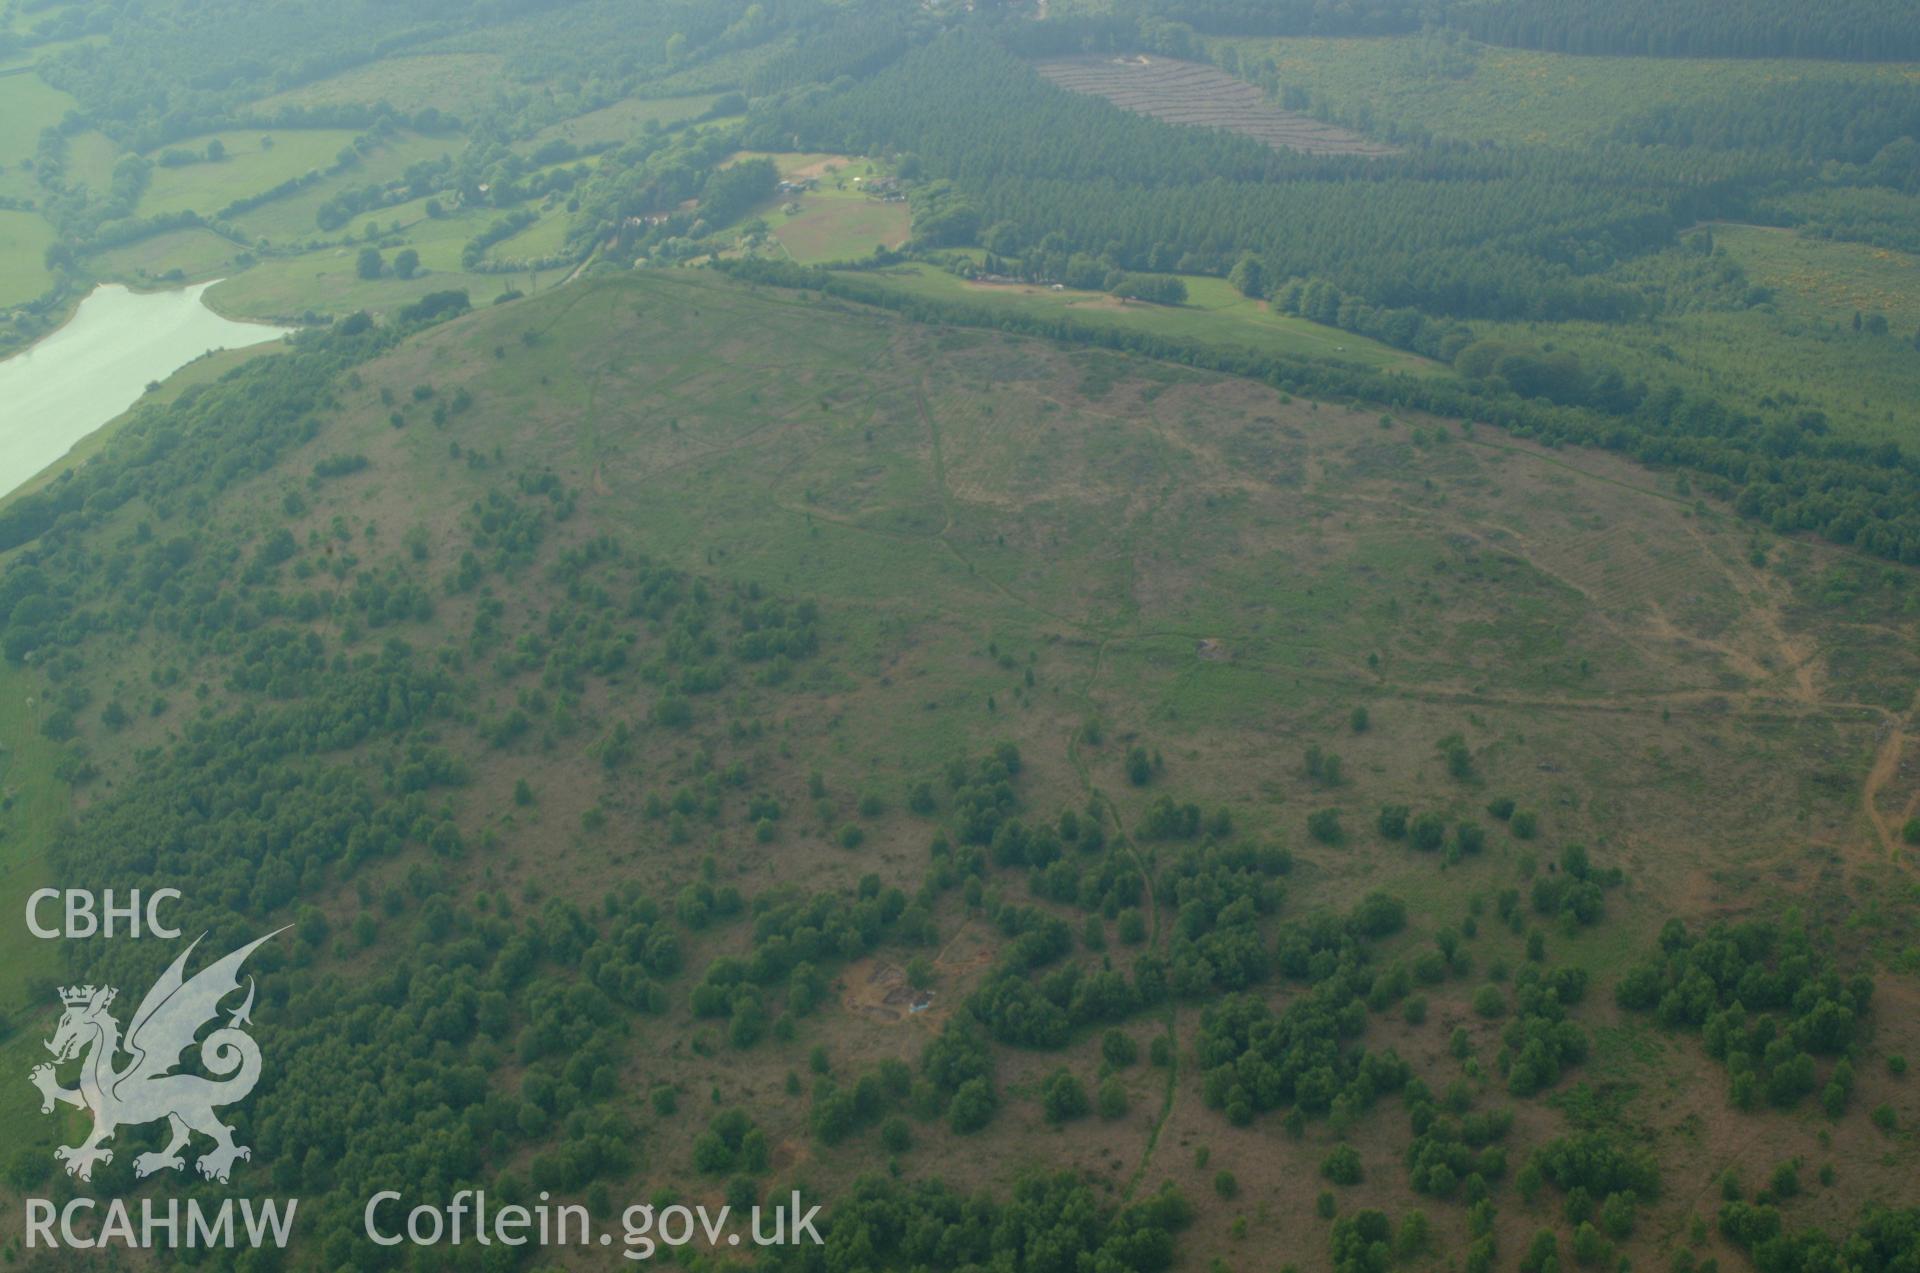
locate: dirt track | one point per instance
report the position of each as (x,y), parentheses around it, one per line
(1886,765)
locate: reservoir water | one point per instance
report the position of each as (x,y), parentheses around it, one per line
(69,384)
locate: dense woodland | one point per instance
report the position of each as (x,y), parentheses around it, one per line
(1515,232)
(1866,30)
(1448,232)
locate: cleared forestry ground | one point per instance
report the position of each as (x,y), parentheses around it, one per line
(1204,97)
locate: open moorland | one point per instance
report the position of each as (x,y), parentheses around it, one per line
(1161,590)
(1158,638)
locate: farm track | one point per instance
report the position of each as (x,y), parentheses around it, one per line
(1886,767)
(1199,96)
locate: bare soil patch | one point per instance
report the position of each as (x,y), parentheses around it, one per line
(879,991)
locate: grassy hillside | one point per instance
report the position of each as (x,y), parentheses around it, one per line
(573,532)
(728,681)
(1213,312)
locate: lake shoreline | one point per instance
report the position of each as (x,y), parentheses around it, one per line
(101,364)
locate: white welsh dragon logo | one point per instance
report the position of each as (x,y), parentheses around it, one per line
(145,1090)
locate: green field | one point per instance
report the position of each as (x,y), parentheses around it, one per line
(439,240)
(291,220)
(619,122)
(196,254)
(1802,342)
(18,183)
(1474,92)
(545,237)
(837,225)
(454,83)
(28,104)
(836,221)
(1214,313)
(251,167)
(91,157)
(326,281)
(832,170)
(24,239)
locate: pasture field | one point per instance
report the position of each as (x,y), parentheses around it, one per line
(831,226)
(545,237)
(1214,312)
(91,157)
(292,219)
(256,161)
(837,171)
(1203,96)
(197,254)
(837,225)
(1802,342)
(412,218)
(24,239)
(836,221)
(1078,553)
(1458,89)
(454,83)
(28,105)
(439,240)
(619,122)
(17,182)
(326,281)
